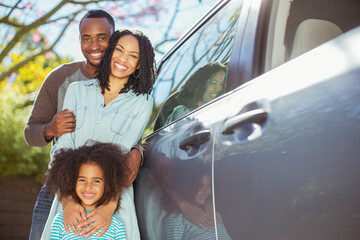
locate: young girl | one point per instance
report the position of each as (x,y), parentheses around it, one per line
(114,107)
(92,175)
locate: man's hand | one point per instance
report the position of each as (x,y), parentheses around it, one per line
(134,161)
(63,122)
(99,218)
(74,214)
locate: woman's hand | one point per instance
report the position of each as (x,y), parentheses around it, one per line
(74,214)
(99,218)
(196,215)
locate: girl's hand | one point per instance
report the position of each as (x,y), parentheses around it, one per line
(197,216)
(99,218)
(74,214)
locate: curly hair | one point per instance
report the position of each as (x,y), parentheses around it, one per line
(194,88)
(142,80)
(64,170)
(99,13)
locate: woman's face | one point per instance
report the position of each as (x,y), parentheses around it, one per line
(204,191)
(214,87)
(90,185)
(125,59)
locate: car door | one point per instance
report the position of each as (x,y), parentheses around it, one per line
(173,191)
(286,154)
(263,145)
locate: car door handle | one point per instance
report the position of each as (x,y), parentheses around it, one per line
(195,140)
(258,116)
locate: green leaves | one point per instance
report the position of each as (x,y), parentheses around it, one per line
(16,157)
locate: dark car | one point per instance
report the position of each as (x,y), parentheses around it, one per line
(257,126)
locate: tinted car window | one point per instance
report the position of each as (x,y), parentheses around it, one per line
(298,26)
(196,72)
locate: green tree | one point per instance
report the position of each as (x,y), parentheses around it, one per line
(16,157)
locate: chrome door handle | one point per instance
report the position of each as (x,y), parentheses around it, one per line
(258,116)
(195,140)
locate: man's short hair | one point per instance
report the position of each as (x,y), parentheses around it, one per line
(99,13)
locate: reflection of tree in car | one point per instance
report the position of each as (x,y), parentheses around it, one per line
(191,180)
(207,83)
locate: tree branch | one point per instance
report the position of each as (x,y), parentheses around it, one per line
(88,2)
(28,28)
(6,20)
(16,67)
(169,27)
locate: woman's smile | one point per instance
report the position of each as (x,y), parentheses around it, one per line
(120,67)
(125,58)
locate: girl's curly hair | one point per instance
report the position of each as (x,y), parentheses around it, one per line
(64,170)
(142,80)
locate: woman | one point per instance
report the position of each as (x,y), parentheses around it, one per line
(114,107)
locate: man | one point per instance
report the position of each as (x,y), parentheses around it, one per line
(48,121)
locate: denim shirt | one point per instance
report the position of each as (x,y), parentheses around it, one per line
(122,121)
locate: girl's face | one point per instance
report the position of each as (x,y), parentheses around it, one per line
(125,59)
(204,191)
(90,185)
(214,87)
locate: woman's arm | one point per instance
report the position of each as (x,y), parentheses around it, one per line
(73,213)
(67,140)
(99,218)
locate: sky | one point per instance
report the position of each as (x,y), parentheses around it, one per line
(191,11)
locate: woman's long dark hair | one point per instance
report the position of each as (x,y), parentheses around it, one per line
(194,88)
(142,80)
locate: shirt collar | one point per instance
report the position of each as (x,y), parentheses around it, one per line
(95,82)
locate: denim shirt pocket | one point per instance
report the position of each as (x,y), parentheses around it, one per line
(121,122)
(80,113)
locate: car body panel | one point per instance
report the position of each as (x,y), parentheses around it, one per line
(280,149)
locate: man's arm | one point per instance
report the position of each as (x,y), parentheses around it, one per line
(44,123)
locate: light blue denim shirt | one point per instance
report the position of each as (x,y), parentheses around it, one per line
(122,121)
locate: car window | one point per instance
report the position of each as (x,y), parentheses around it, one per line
(298,26)
(196,73)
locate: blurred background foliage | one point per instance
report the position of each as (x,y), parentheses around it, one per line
(16,158)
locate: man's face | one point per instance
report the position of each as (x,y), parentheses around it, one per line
(94,39)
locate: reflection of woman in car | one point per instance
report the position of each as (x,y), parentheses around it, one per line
(192,181)
(207,83)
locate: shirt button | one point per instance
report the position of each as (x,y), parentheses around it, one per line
(94,139)
(97,122)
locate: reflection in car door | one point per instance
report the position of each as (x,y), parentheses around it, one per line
(178,159)
(287,156)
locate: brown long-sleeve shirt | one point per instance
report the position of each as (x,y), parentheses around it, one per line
(50,100)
